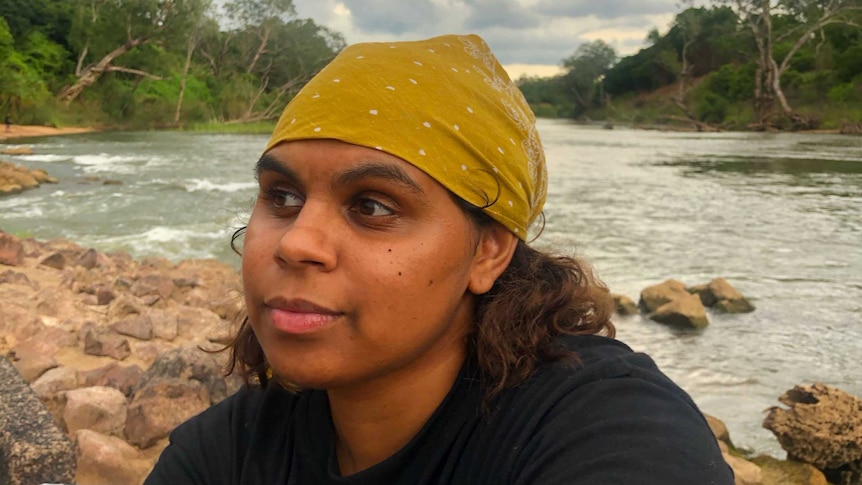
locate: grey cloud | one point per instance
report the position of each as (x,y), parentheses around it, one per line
(605,9)
(500,13)
(528,48)
(391,16)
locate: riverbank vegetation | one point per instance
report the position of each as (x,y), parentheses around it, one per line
(155,63)
(734,64)
(731,64)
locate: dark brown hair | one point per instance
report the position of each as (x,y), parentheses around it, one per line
(518,323)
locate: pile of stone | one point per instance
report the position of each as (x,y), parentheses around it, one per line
(118,351)
(15,178)
(673,303)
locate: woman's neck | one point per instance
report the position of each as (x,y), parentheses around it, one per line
(375,420)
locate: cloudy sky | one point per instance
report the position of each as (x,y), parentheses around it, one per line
(528,36)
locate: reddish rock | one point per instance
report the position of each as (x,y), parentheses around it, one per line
(165,324)
(11,250)
(744,472)
(719,429)
(135,326)
(89,259)
(154,285)
(105,296)
(123,378)
(33,357)
(194,322)
(104,459)
(655,296)
(19,322)
(55,260)
(687,311)
(54,381)
(101,409)
(11,277)
(160,407)
(103,343)
(122,307)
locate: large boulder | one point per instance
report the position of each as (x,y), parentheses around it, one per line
(101,409)
(56,380)
(823,427)
(655,296)
(686,311)
(123,378)
(782,472)
(721,295)
(33,357)
(32,449)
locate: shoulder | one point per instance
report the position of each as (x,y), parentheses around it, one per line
(211,447)
(611,416)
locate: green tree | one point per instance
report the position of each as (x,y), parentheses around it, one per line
(105,30)
(584,72)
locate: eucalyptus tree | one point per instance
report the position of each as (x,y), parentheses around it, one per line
(584,71)
(806,20)
(105,30)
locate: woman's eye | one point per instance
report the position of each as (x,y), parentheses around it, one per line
(283,198)
(370,207)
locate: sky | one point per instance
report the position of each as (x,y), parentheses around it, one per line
(529,37)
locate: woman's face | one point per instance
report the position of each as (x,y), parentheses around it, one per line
(357,266)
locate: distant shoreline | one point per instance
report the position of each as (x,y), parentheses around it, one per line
(29,131)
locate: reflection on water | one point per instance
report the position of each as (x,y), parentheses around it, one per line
(776,214)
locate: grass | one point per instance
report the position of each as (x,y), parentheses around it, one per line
(256,128)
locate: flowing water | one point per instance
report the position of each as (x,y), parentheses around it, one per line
(778,215)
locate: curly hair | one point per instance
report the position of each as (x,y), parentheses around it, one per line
(537,299)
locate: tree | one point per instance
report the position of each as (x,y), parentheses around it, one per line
(584,71)
(806,19)
(109,29)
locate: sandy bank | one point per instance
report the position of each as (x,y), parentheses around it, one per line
(27,131)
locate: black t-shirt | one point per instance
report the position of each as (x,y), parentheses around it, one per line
(611,419)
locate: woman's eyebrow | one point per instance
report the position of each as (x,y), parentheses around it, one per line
(377,170)
(269,163)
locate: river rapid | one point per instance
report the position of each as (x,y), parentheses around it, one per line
(778,215)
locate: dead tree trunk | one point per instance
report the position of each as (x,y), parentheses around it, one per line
(193,40)
(92,73)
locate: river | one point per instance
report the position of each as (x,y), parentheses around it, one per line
(778,215)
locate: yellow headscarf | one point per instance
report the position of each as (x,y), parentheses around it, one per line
(445,105)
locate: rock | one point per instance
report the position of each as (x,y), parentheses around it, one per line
(32,449)
(101,409)
(744,472)
(778,472)
(11,250)
(15,278)
(719,429)
(193,322)
(56,261)
(624,305)
(17,151)
(105,296)
(89,259)
(33,357)
(188,363)
(160,285)
(42,177)
(121,307)
(655,296)
(54,381)
(160,407)
(823,426)
(723,296)
(686,311)
(135,326)
(104,459)
(19,322)
(112,182)
(165,324)
(123,378)
(103,343)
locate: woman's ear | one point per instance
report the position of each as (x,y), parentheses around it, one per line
(493,253)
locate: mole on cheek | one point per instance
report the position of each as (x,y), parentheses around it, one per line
(399,273)
(430,282)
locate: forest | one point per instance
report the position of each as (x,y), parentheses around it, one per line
(155,63)
(731,64)
(734,64)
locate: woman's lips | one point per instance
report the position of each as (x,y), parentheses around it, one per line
(297,317)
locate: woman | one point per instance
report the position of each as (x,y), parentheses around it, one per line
(399,328)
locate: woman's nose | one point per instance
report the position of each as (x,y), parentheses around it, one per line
(309,240)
